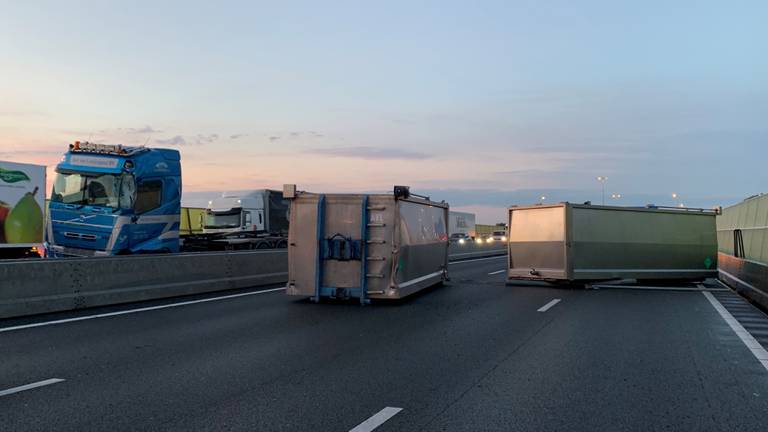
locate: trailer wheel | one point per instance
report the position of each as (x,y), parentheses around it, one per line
(282,244)
(262,246)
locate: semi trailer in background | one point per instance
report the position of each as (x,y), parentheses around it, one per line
(252,220)
(115,200)
(377,246)
(461,222)
(461,226)
(191,221)
(22,215)
(573,242)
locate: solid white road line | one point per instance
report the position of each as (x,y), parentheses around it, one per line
(30,386)
(754,346)
(547,306)
(656,288)
(497,272)
(477,259)
(376,420)
(131,311)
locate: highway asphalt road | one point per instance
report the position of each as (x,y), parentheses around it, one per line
(475,354)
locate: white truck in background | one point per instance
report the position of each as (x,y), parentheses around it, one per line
(252,220)
(22,215)
(461,226)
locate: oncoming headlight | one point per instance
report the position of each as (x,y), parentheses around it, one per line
(461,241)
(504,238)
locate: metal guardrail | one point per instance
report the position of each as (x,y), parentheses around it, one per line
(40,286)
(749,278)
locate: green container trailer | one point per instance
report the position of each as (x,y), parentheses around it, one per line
(582,242)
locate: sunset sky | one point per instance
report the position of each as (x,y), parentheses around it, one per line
(483,104)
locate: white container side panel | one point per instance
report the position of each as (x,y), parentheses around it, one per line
(302,247)
(423,250)
(537,242)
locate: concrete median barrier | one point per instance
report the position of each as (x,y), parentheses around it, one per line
(40,286)
(30,287)
(457,252)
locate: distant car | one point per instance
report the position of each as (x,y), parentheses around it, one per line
(497,236)
(460,238)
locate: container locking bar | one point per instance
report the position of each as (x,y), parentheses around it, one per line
(341,248)
(320,238)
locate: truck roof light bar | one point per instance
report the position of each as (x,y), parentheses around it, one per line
(110,149)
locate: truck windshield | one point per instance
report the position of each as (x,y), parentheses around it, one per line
(105,190)
(229,219)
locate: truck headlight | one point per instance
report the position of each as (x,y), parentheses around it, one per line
(461,241)
(490,240)
(503,238)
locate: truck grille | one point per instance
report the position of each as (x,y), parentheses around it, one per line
(80,236)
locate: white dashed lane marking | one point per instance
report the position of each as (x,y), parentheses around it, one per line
(34,385)
(376,420)
(549,305)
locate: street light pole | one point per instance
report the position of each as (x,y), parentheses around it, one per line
(675,196)
(603,179)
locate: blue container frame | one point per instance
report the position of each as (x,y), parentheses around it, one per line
(362,291)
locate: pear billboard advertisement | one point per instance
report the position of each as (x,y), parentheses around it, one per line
(22,200)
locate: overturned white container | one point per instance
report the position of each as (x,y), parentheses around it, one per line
(377,246)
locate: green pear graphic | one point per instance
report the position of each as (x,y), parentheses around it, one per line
(24,224)
(4,210)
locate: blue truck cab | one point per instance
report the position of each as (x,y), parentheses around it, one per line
(114,200)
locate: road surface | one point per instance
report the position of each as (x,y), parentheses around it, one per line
(475,354)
